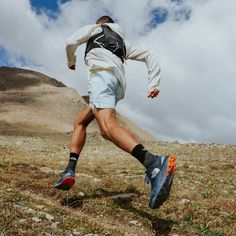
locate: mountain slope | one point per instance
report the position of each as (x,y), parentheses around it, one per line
(33,102)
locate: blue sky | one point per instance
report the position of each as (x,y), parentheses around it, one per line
(46,4)
(4,58)
(53,4)
(158,15)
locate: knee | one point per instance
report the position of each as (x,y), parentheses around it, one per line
(105,133)
(79,124)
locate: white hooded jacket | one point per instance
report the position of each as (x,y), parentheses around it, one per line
(102,59)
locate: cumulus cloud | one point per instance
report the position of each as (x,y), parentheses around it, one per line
(197,57)
(195,46)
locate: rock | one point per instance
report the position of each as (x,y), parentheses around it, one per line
(184,201)
(81,194)
(30,211)
(36,219)
(55,224)
(22,220)
(75,232)
(46,234)
(49,217)
(39,206)
(133,222)
(123,196)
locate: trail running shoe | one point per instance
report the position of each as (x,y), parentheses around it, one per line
(66,181)
(160,174)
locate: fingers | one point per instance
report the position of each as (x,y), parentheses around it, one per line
(153,93)
(72,67)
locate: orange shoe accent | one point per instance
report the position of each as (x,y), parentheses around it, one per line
(171,165)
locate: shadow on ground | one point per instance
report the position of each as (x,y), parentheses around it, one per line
(124,200)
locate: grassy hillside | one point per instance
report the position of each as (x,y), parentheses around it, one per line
(110,197)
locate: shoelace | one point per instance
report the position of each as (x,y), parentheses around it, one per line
(154,173)
(147,180)
(64,173)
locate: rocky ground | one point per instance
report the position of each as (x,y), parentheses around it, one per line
(110,197)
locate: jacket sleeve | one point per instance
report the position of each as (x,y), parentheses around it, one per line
(154,71)
(81,36)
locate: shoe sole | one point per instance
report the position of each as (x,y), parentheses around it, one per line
(66,184)
(164,193)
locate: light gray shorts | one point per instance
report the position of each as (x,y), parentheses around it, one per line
(104,90)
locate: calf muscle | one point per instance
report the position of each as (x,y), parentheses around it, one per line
(80,125)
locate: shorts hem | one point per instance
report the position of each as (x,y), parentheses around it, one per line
(92,105)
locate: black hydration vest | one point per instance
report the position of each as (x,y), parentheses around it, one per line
(109,40)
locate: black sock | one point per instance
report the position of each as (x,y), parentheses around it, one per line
(72,161)
(141,154)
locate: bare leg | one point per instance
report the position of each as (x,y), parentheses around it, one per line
(110,130)
(79,135)
(67,179)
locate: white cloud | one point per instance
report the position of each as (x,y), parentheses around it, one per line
(197,100)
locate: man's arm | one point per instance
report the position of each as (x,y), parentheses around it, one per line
(81,36)
(154,71)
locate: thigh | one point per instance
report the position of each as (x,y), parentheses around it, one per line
(105,117)
(84,117)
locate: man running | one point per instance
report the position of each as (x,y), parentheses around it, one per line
(105,54)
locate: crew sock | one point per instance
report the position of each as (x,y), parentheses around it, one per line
(140,153)
(72,161)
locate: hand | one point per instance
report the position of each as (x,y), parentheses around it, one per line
(72,67)
(153,93)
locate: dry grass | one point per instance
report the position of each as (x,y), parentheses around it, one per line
(110,197)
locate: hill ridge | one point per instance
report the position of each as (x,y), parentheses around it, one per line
(33,102)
